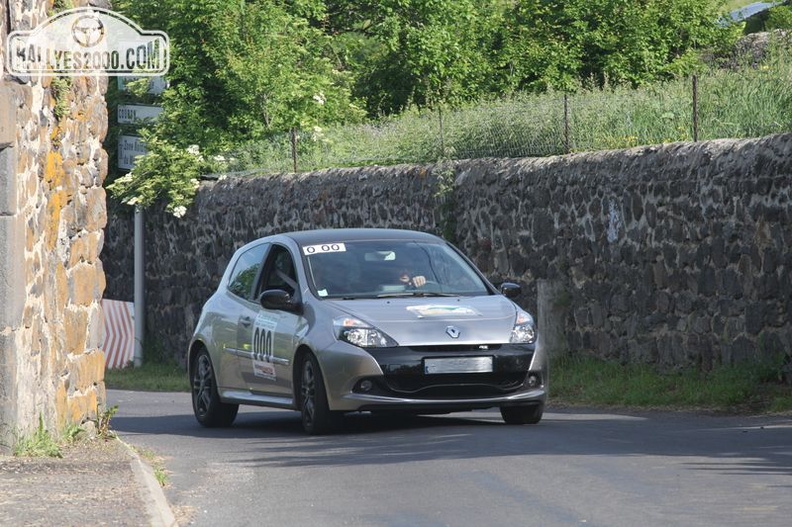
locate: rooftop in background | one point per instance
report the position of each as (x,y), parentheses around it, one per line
(751,9)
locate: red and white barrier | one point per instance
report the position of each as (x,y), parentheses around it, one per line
(119,341)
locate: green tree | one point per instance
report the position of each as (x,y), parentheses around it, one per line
(277,72)
(244,69)
(421,52)
(249,70)
(779,17)
(559,43)
(240,70)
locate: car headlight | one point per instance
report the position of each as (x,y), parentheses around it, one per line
(361,334)
(524,330)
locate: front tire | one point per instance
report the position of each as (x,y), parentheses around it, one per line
(317,419)
(209,410)
(522,415)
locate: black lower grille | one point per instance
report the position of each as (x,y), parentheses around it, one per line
(455,348)
(454,386)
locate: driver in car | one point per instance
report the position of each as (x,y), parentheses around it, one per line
(406,278)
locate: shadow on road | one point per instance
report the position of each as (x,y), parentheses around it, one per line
(275,438)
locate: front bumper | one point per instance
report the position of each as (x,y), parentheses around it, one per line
(403,381)
(363,402)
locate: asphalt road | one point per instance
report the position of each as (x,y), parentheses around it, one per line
(577,466)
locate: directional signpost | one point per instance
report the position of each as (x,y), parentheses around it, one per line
(129,148)
(137,113)
(156,85)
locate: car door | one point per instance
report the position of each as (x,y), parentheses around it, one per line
(272,333)
(236,306)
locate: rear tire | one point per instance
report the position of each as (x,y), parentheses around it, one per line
(317,419)
(209,410)
(522,415)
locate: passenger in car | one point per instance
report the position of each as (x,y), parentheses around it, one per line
(331,280)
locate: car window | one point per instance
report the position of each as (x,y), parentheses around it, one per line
(245,271)
(367,269)
(279,272)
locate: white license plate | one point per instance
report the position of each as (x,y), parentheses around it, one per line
(458,365)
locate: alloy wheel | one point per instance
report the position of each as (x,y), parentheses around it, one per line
(308,390)
(203,382)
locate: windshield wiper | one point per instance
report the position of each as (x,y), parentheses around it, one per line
(413,293)
(348,297)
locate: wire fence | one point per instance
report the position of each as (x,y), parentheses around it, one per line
(749,102)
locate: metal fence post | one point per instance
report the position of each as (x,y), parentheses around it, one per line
(139,286)
(567,148)
(695,108)
(294,147)
(442,134)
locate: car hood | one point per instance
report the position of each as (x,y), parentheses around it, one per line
(434,321)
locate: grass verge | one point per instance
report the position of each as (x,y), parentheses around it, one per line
(744,388)
(152,376)
(750,388)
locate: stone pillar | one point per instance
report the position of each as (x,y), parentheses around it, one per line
(12,259)
(52,212)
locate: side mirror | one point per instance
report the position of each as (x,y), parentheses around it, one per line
(278,299)
(510,289)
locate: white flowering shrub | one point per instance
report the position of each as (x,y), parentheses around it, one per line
(166,172)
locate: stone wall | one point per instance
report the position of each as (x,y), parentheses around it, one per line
(52,212)
(676,255)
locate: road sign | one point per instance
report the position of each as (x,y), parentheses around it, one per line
(156,85)
(129,147)
(135,113)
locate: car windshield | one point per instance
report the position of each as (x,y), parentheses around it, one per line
(372,269)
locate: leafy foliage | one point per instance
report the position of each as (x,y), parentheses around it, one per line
(779,17)
(251,71)
(556,43)
(252,68)
(424,52)
(167,171)
(103,427)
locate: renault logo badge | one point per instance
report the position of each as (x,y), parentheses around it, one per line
(452,332)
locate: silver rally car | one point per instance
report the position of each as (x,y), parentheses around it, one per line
(333,321)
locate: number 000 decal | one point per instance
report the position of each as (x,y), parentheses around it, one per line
(308,250)
(262,344)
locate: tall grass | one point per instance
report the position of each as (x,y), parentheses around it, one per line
(733,103)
